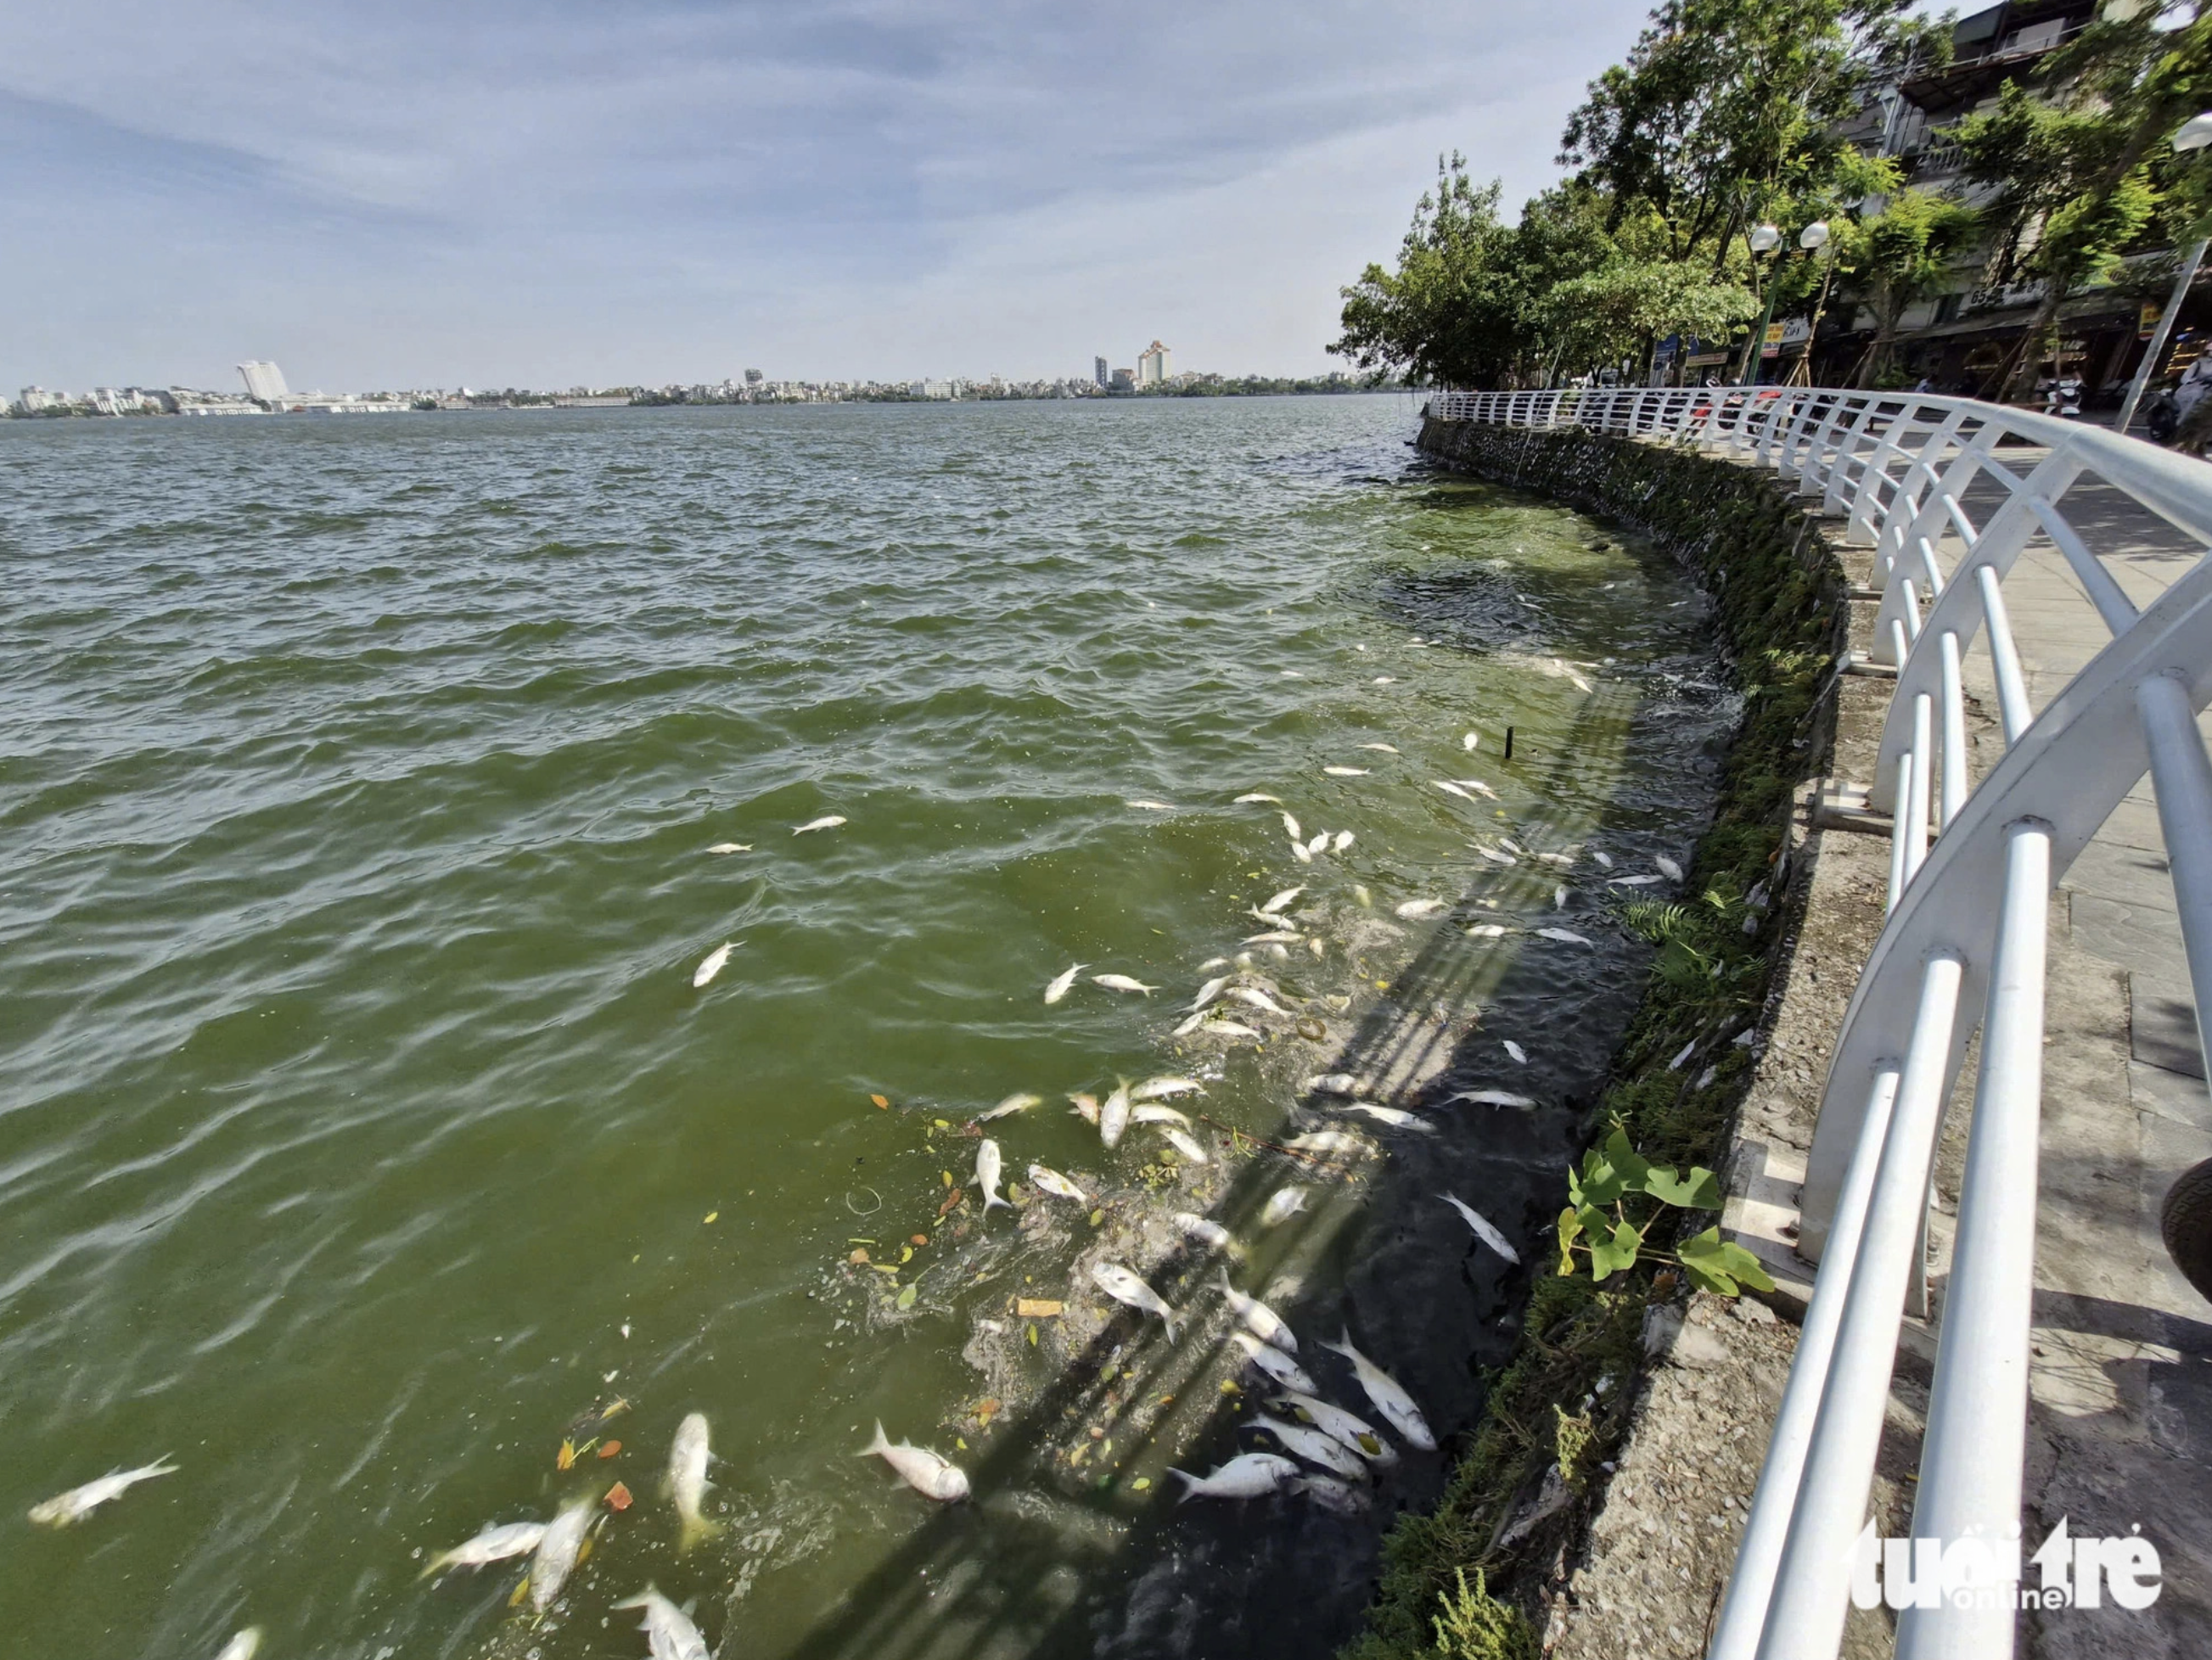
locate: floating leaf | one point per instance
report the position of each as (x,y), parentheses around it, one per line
(921,1239)
(881,1101)
(906,1296)
(1096,1217)
(610,1450)
(859,1255)
(1033,1331)
(620,1403)
(709,1217)
(906,1253)
(945,1176)
(1370,1443)
(961,1442)
(987,1409)
(618,1496)
(1140,1483)
(521,1592)
(566,1458)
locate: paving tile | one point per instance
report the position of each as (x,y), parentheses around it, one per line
(2162,1026)
(2135,876)
(2139,937)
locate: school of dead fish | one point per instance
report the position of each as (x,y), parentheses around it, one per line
(1324,1450)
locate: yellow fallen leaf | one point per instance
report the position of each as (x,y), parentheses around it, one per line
(881,1102)
(711,1215)
(566,1458)
(859,1255)
(961,1442)
(620,1403)
(1142,1483)
(521,1592)
(947,1175)
(1033,1336)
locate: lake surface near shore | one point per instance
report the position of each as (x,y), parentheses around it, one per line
(364,1138)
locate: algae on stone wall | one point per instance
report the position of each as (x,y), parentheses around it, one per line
(1522,1489)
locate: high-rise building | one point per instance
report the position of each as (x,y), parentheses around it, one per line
(1100,373)
(1153,368)
(264,382)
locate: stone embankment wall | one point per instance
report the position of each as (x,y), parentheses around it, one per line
(1595,1510)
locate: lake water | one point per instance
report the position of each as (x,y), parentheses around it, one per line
(362,1135)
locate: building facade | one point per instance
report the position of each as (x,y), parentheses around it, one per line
(1152,366)
(264,382)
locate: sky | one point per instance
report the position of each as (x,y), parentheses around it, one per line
(640,192)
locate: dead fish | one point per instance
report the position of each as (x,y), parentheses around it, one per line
(1631,881)
(1450,788)
(1389,1398)
(669,1632)
(731,847)
(1333,1083)
(1259,999)
(1274,1362)
(1085,1107)
(1558,898)
(1299,852)
(1125,1286)
(1291,829)
(1343,841)
(1331,1143)
(1603,859)
(1228,1029)
(1488,931)
(1319,844)
(1348,1427)
(1311,1446)
(557,1551)
(1345,772)
(1114,1114)
(1196,1021)
(1275,936)
(1492,1098)
(1519,1054)
(1248,1475)
(987,1173)
(1472,741)
(1153,1113)
(926,1472)
(1151,807)
(1477,786)
(1207,1233)
(494,1544)
(1332,1494)
(1493,855)
(1045,1179)
(1396,1117)
(1673,872)
(1211,963)
(711,964)
(1563,860)
(686,1480)
(67,1510)
(1166,1087)
(1414,909)
(1387,749)
(1057,987)
(243,1646)
(1281,1205)
(1281,899)
(829,822)
(1580,685)
(1385,680)
(1246,800)
(1122,983)
(1185,1145)
(1565,936)
(1510,845)
(1011,1105)
(1262,1322)
(1483,1229)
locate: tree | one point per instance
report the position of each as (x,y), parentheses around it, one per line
(1898,257)
(1454,311)
(1619,310)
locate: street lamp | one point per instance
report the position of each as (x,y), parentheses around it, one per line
(2194,134)
(1764,239)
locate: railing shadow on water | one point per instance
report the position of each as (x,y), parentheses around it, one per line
(1044,1562)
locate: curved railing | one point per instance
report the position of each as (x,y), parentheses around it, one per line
(1971,870)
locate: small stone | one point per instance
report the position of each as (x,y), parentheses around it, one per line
(1697,1349)
(1752,1312)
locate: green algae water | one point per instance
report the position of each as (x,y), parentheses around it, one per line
(364,1139)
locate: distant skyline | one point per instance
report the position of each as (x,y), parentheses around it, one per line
(557,194)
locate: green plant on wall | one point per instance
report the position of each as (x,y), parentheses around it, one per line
(1602,1224)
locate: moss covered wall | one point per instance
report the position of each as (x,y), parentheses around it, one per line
(1470,1578)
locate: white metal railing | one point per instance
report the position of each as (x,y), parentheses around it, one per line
(1947,492)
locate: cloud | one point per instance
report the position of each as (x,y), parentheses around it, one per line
(544,194)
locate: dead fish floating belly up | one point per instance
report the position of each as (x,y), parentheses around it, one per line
(1114,1114)
(1248,1475)
(1275,936)
(1189,1148)
(68,1509)
(1256,795)
(1348,1427)
(829,822)
(731,847)
(1332,1494)
(1343,841)
(1345,772)
(1153,1113)
(557,1552)
(711,964)
(1414,910)
(1045,1179)
(243,1646)
(987,1166)
(1125,1286)
(1519,1054)
(1673,870)
(1311,1446)
(1274,1362)
(1565,936)
(1333,1083)
(1395,1117)
(1207,993)
(926,1472)
(1275,905)
(1122,983)
(1262,1322)
(1011,1105)
(1483,1229)
(669,1632)
(1259,999)
(1151,807)
(494,1544)
(1492,1098)
(1085,1107)
(1281,1205)
(1226,1029)
(1387,749)
(1057,987)
(1331,1143)
(1194,1226)
(1291,829)
(1166,1088)
(1389,1398)
(687,1481)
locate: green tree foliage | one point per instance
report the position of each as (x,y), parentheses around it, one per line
(1618,309)
(1900,256)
